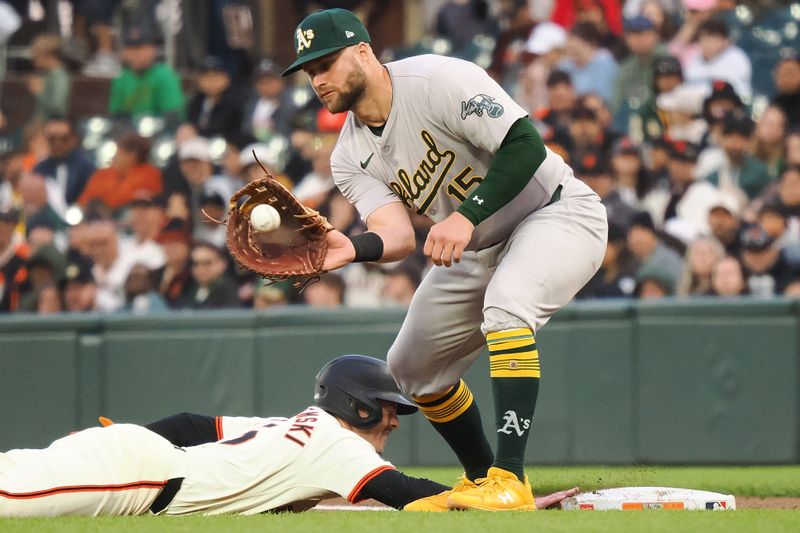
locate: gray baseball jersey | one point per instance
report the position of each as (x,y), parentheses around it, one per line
(448,118)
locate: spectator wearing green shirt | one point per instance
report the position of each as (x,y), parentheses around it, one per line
(634,83)
(51,83)
(146,87)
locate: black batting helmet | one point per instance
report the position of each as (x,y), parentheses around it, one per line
(356,382)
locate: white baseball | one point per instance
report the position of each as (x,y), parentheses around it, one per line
(264,218)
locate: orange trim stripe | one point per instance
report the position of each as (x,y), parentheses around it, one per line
(219,427)
(83,488)
(353,496)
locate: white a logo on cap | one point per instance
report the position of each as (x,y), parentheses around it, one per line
(349,34)
(304,39)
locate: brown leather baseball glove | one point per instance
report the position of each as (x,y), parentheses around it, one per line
(293,252)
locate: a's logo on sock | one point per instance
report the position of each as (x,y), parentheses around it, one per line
(519,425)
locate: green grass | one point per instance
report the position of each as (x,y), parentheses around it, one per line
(737,480)
(614,522)
(611,522)
(751,481)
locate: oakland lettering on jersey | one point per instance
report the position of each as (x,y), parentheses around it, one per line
(410,188)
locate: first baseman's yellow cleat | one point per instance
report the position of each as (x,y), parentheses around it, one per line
(438,502)
(500,490)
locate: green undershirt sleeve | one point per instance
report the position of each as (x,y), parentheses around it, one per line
(513,166)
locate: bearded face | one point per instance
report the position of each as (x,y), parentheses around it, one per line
(353,88)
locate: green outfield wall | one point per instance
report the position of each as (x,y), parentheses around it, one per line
(679,382)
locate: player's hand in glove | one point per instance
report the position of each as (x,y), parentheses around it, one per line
(447,239)
(294,251)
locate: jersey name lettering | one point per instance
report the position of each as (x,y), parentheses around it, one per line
(410,188)
(301,429)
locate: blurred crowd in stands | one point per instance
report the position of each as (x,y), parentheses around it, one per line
(683,116)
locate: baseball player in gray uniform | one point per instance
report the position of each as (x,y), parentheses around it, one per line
(516,235)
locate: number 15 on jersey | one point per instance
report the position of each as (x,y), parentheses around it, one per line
(460,186)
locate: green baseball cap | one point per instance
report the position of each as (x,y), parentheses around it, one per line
(325,32)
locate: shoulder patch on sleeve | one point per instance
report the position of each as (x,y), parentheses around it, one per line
(480,104)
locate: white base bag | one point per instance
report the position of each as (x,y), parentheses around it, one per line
(649,498)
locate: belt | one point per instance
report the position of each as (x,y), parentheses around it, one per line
(556,196)
(167,494)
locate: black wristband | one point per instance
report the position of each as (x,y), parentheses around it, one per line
(369,247)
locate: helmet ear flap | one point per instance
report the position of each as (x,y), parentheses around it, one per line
(374,412)
(352,404)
